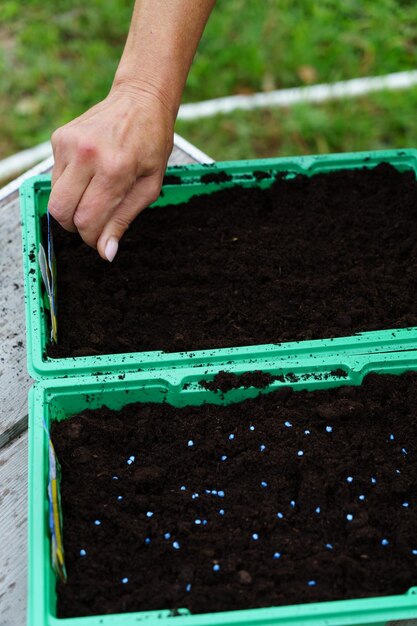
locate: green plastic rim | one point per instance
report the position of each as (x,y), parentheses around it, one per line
(61,398)
(34,196)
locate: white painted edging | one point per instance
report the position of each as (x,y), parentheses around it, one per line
(13,165)
(191,150)
(287,97)
(14,185)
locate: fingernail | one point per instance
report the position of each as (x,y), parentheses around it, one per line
(111,248)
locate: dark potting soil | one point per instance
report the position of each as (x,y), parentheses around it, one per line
(281,531)
(226,381)
(309,258)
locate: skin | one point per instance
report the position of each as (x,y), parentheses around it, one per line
(110,161)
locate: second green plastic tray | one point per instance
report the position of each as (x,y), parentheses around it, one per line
(59,399)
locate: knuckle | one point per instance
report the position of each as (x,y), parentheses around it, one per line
(153,195)
(81,219)
(63,217)
(57,209)
(56,136)
(114,168)
(53,206)
(86,150)
(88,215)
(121,222)
(89,238)
(152,165)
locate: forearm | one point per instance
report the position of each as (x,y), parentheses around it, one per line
(162,41)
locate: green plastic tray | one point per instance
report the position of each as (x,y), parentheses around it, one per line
(61,398)
(34,197)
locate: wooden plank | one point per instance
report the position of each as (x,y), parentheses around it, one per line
(14,380)
(13,532)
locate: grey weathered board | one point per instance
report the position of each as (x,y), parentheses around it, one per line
(14,385)
(13,516)
(14,381)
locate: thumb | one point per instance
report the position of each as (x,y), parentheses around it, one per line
(142,194)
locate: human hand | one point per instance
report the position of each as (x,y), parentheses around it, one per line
(109,165)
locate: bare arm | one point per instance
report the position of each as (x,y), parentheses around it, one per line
(110,161)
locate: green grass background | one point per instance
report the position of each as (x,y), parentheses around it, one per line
(58,58)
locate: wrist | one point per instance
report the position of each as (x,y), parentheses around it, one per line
(145,91)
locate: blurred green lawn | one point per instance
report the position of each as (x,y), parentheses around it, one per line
(58,58)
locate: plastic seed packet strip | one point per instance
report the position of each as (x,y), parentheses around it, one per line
(55,512)
(47,265)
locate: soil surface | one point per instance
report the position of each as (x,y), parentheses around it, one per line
(359,459)
(309,258)
(226,381)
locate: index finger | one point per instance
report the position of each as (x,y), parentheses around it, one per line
(66,193)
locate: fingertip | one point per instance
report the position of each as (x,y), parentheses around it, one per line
(108,248)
